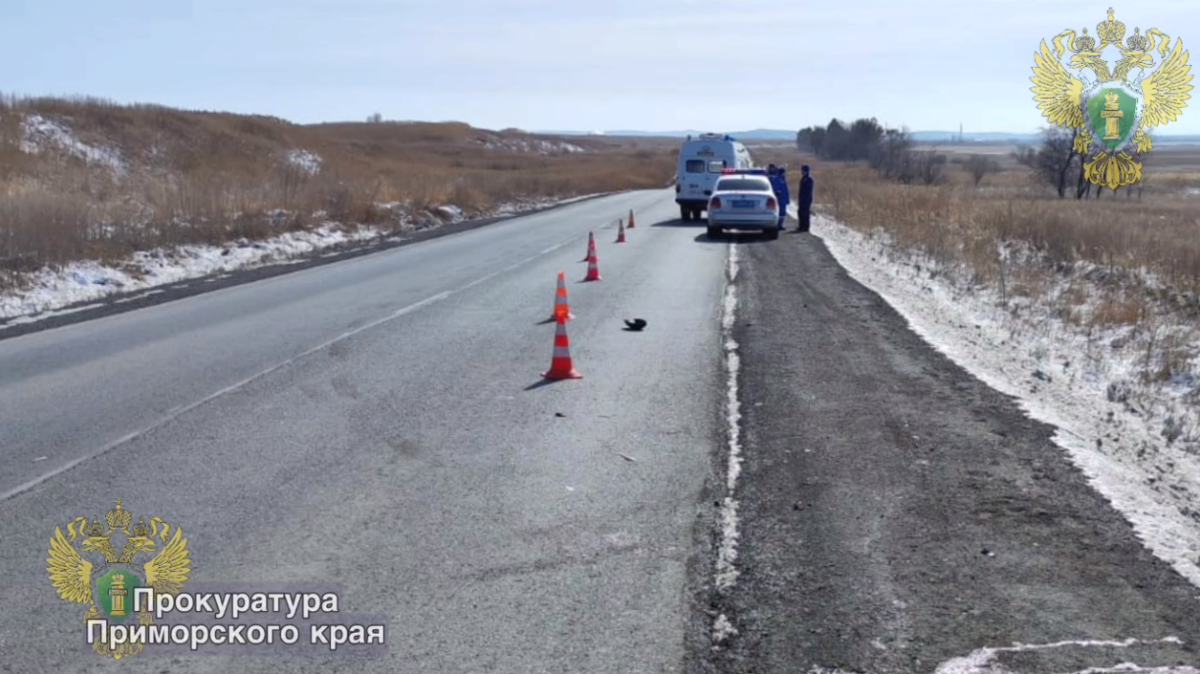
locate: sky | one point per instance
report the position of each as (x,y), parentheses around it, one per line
(567,64)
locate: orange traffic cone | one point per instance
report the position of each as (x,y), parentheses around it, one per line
(621,232)
(591,247)
(631,218)
(593,273)
(561,307)
(561,367)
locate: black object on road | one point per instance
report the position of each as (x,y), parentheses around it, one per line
(636,325)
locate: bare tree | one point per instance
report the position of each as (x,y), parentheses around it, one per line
(1025,155)
(927,166)
(375,118)
(1083,188)
(981,165)
(1054,159)
(892,155)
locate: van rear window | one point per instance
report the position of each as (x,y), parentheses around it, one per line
(695,165)
(715,166)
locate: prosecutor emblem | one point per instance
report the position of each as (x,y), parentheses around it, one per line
(1110,108)
(101,565)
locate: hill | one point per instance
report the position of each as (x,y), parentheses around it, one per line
(87,178)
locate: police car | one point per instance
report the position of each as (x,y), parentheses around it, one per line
(743,199)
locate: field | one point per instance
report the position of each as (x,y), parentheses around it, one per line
(1164,158)
(1155,229)
(88,179)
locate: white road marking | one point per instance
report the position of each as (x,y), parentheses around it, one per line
(148,293)
(726,572)
(183,409)
(982,661)
(213,396)
(24,320)
(722,629)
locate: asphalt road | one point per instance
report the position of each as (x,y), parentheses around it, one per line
(899,516)
(380,422)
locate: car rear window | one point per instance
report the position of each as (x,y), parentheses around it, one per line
(743,185)
(695,165)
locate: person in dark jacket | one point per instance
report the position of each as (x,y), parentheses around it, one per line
(779,185)
(805,200)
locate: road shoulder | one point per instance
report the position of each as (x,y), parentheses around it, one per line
(897,513)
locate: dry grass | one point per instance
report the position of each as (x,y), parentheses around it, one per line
(205,177)
(1159,232)
(1136,256)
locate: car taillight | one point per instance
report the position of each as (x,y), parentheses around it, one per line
(716,202)
(771,202)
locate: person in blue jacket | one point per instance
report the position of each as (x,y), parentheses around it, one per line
(779,184)
(804,207)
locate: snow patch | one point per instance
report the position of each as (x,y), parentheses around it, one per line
(41,133)
(49,289)
(306,161)
(452,213)
(1112,429)
(534,145)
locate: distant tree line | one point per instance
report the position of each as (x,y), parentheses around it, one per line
(889,151)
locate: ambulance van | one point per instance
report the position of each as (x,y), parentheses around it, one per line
(701,160)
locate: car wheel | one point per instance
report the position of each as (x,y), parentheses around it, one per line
(771,233)
(714,232)
(696,214)
(685,213)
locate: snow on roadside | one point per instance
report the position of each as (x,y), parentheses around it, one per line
(89,280)
(41,133)
(48,291)
(1040,361)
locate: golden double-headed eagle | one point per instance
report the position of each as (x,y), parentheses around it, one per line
(74,576)
(1109,111)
